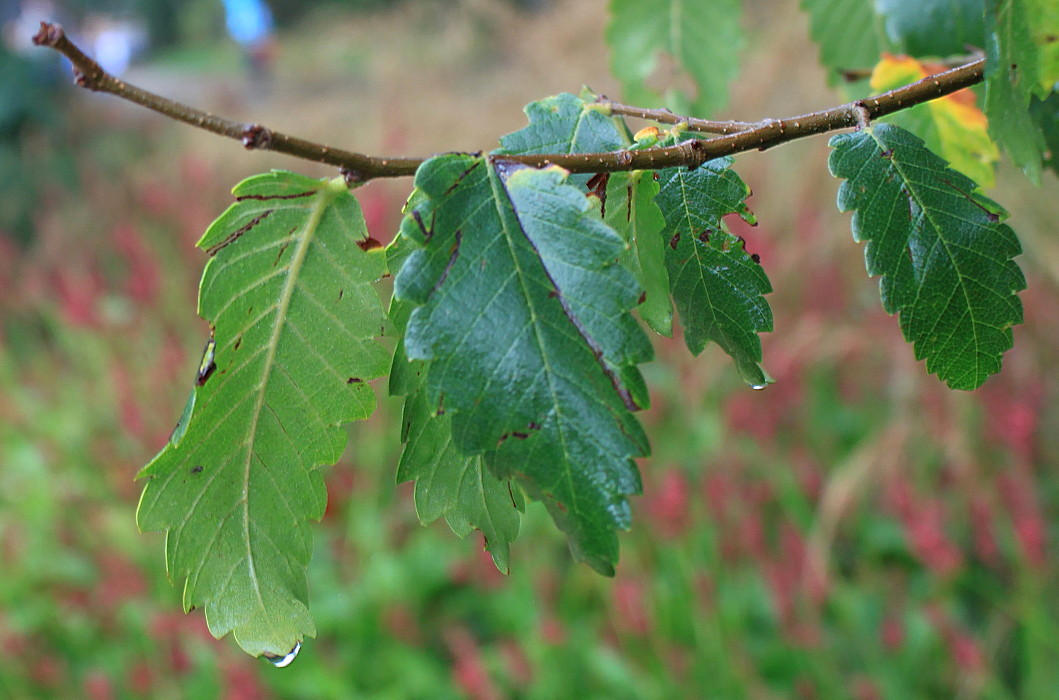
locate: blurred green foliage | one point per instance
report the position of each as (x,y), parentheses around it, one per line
(853,531)
(32,120)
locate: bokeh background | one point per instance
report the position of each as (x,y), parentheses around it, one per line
(854,531)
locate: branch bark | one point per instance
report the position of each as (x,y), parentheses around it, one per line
(357,167)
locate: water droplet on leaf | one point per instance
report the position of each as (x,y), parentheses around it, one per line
(285,660)
(758,387)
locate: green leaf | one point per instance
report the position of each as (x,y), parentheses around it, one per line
(524,315)
(944,256)
(631,211)
(1046,113)
(450,484)
(565,123)
(698,40)
(288,294)
(1043,18)
(718,287)
(1011,77)
(846,32)
(933,27)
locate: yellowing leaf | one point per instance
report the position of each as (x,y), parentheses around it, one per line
(895,71)
(953,124)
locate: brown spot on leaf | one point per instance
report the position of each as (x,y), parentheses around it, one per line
(205,373)
(597,185)
(418,218)
(279,255)
(235,235)
(266,197)
(558,504)
(369,243)
(454,253)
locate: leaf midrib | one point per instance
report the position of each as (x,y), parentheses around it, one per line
(323,198)
(499,196)
(961,283)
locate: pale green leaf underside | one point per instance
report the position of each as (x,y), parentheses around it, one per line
(524,316)
(717,286)
(288,294)
(564,123)
(631,210)
(696,40)
(945,259)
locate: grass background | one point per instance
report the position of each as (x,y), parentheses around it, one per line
(854,531)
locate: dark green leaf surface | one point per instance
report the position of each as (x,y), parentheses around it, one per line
(1046,113)
(288,293)
(846,32)
(944,257)
(524,315)
(1011,77)
(631,210)
(698,40)
(718,288)
(933,27)
(564,123)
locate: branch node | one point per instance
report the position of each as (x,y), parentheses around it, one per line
(861,114)
(353,177)
(49,35)
(256,136)
(695,148)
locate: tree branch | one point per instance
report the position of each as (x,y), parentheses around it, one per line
(89,74)
(665,116)
(357,167)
